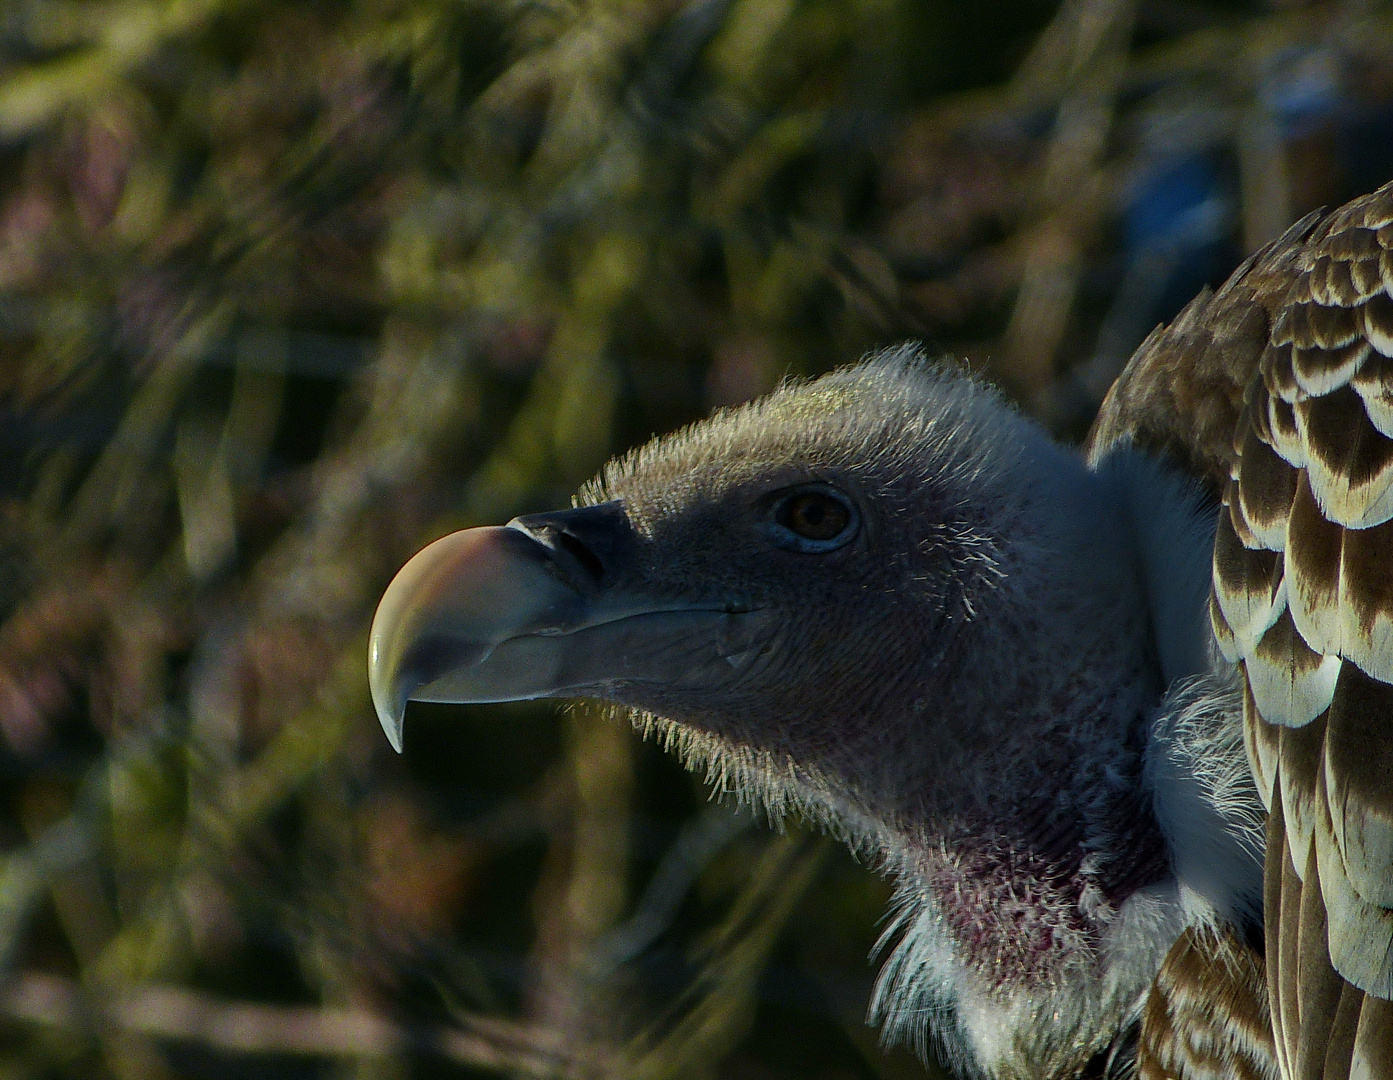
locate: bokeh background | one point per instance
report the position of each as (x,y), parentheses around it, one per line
(288,289)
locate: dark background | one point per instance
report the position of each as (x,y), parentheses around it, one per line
(289,289)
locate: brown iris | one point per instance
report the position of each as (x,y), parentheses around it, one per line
(814,515)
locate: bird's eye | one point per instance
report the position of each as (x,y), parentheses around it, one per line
(814,519)
(814,516)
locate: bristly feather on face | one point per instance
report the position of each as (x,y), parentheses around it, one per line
(961,692)
(886,601)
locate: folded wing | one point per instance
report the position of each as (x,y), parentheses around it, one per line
(1278,390)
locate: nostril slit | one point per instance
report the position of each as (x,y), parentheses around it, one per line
(582,554)
(587,544)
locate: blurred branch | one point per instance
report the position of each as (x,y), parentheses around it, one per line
(701,840)
(583,900)
(292,288)
(718,1009)
(27,873)
(1084,49)
(128,37)
(242,1028)
(123,471)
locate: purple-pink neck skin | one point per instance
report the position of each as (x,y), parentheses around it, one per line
(942,652)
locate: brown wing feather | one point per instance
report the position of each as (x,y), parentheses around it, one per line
(1278,389)
(1183,389)
(1206,1015)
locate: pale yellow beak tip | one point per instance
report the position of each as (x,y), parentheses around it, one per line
(391,713)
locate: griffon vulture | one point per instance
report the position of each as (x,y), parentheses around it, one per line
(1120,725)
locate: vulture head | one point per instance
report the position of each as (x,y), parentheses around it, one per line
(887,601)
(1058,697)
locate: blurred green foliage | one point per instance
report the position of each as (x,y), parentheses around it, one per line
(289,289)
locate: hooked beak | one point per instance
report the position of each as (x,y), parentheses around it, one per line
(528,610)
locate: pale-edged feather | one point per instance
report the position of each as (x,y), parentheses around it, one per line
(1366,276)
(1291,682)
(1311,327)
(1299,778)
(1345,282)
(1325,368)
(1248,584)
(1263,741)
(1287,438)
(1319,988)
(1366,601)
(1297,438)
(1339,1050)
(1357,766)
(1339,588)
(1349,462)
(1372,1056)
(1266,488)
(1279,374)
(1355,239)
(1206,1016)
(1311,567)
(1283,928)
(1360,933)
(1224,640)
(1181,393)
(1374,383)
(1376,318)
(1256,415)
(1238,521)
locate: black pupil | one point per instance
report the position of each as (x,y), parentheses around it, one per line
(815,517)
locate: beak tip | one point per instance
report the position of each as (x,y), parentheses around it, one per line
(389,696)
(393,730)
(446,609)
(391,713)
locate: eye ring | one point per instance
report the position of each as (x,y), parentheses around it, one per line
(813,519)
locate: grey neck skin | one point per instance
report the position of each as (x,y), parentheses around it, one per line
(1005,790)
(998,752)
(965,685)
(1022,961)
